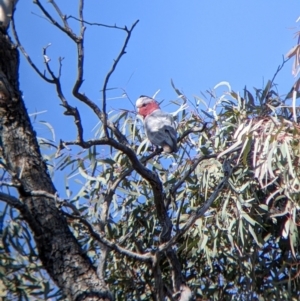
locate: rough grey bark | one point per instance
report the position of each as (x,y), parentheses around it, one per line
(59,251)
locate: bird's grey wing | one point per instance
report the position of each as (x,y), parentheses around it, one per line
(166,118)
(172,134)
(163,138)
(158,119)
(160,130)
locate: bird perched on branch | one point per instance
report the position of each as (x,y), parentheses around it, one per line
(159,126)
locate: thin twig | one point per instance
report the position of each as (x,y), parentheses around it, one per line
(10,184)
(178,214)
(101,238)
(59,12)
(66,30)
(192,130)
(19,45)
(47,60)
(196,215)
(189,171)
(70,110)
(108,75)
(284,61)
(55,80)
(97,24)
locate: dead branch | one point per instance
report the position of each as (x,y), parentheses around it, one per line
(28,58)
(114,246)
(65,29)
(97,24)
(108,75)
(192,130)
(197,214)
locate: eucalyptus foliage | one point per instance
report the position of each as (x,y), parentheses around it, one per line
(219,218)
(245,247)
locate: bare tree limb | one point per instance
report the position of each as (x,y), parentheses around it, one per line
(17,204)
(284,61)
(55,80)
(66,29)
(189,171)
(14,202)
(101,238)
(98,24)
(150,176)
(116,61)
(192,130)
(29,60)
(62,16)
(80,58)
(70,110)
(11,200)
(196,215)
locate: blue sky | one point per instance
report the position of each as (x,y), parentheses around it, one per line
(196,43)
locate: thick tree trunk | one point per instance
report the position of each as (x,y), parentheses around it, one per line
(59,251)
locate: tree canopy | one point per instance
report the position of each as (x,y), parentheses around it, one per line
(218,220)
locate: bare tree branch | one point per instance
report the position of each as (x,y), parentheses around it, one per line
(101,238)
(197,214)
(98,24)
(55,80)
(122,52)
(65,29)
(284,61)
(192,130)
(79,40)
(14,202)
(189,171)
(150,176)
(62,16)
(29,60)
(11,200)
(70,110)
(17,204)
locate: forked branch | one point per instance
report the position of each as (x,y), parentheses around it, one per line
(108,75)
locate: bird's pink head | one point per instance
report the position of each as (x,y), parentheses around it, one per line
(146,105)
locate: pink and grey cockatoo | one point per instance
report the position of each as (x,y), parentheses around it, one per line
(159,126)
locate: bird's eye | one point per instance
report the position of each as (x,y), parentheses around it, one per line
(144,105)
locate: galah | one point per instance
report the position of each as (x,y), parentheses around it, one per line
(160,127)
